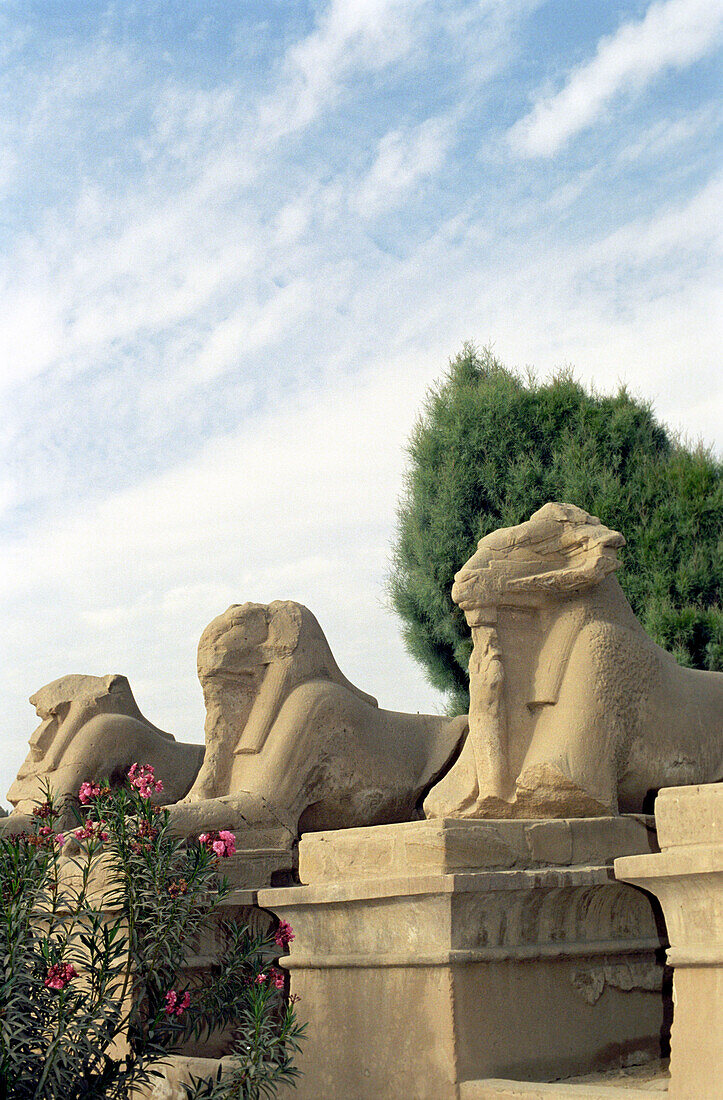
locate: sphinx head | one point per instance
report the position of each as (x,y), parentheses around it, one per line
(249,660)
(235,653)
(63,707)
(559,550)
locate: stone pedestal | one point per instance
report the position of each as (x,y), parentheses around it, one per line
(687,877)
(437,952)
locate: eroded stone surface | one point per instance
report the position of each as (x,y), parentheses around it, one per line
(176,1071)
(291,744)
(574,711)
(448,970)
(289,738)
(91,728)
(687,878)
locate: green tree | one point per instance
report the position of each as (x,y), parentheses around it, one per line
(491,446)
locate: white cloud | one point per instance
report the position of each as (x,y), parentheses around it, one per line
(118,265)
(115,264)
(31,331)
(668,135)
(350,35)
(292,221)
(403,159)
(692,226)
(672,34)
(249,330)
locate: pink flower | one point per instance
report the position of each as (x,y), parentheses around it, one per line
(59,974)
(260,979)
(284,934)
(87,791)
(229,840)
(92,830)
(60,840)
(44,838)
(277,977)
(142,777)
(175,1005)
(221,844)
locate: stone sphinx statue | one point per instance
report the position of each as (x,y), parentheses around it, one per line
(290,742)
(91,728)
(574,711)
(290,739)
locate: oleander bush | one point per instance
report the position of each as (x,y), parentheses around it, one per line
(93,946)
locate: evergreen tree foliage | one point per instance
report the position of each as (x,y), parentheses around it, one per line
(491,446)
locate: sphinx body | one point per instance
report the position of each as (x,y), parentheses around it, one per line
(91,728)
(574,711)
(290,739)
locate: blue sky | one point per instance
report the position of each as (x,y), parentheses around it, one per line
(239,240)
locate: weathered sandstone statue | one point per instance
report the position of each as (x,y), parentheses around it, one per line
(574,711)
(91,728)
(290,742)
(289,738)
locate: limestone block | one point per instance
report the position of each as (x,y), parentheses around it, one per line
(687,878)
(559,1090)
(418,970)
(446,846)
(175,1071)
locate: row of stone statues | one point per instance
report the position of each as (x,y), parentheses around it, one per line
(574,711)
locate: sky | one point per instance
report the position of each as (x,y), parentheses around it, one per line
(238,242)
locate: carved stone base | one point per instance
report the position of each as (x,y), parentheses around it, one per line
(637,1083)
(437,952)
(175,1071)
(687,878)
